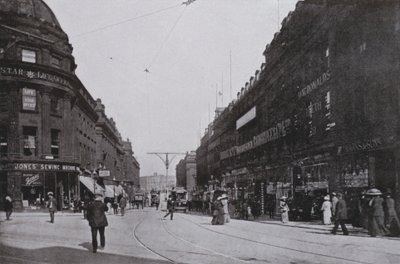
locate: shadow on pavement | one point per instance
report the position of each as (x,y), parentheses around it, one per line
(66,255)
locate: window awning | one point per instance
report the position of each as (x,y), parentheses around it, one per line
(90,184)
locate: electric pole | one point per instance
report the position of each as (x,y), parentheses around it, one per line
(166,161)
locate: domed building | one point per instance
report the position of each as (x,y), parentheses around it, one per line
(47,117)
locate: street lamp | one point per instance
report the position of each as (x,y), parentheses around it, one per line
(114,187)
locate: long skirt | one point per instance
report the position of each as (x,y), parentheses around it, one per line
(285,217)
(327,215)
(376,226)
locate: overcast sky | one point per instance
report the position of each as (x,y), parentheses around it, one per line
(190,52)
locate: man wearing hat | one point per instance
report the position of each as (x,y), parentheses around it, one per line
(340,215)
(97,220)
(52,205)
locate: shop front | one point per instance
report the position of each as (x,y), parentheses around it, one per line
(29,183)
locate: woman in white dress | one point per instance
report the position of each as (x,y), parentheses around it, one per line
(327,211)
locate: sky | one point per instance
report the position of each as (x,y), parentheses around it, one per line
(161,67)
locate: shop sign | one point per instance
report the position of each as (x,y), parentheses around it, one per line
(31,179)
(356,180)
(38,167)
(271,134)
(104,173)
(250,115)
(370,144)
(28,99)
(33,74)
(314,84)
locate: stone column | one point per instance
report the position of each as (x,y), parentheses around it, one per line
(68,133)
(45,132)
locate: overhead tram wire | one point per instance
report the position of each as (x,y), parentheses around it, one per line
(166,38)
(125,21)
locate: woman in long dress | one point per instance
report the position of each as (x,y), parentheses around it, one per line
(327,211)
(284,210)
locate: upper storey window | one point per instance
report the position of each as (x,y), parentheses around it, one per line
(28,55)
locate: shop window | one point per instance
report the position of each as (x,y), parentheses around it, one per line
(28,55)
(55,143)
(3,142)
(363,47)
(29,134)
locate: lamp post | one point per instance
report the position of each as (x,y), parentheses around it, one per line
(114,187)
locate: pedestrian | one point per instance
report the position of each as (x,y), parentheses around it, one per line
(334,202)
(284,210)
(170,207)
(8,206)
(224,200)
(327,211)
(376,216)
(97,220)
(391,219)
(51,205)
(340,215)
(115,206)
(122,205)
(157,201)
(217,208)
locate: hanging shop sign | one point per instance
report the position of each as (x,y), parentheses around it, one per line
(31,179)
(104,173)
(38,167)
(33,74)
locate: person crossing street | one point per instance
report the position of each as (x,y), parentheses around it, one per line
(97,220)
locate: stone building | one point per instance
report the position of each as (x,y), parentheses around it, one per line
(49,122)
(321,114)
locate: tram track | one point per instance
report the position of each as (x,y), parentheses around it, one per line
(140,242)
(276,246)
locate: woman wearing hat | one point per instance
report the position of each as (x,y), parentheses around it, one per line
(284,210)
(327,210)
(376,225)
(391,220)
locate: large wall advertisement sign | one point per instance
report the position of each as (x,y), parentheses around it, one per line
(28,99)
(250,115)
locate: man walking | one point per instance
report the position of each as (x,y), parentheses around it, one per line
(8,206)
(51,205)
(97,220)
(170,207)
(340,215)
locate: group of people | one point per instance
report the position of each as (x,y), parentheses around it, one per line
(220,210)
(377,214)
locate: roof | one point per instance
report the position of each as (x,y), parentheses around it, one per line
(35,9)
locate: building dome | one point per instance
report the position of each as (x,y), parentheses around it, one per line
(35,9)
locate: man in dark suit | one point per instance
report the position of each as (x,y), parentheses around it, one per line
(170,207)
(340,215)
(97,220)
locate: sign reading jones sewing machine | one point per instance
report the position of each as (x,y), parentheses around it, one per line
(38,167)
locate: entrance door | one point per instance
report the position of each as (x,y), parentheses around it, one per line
(385,177)
(3,189)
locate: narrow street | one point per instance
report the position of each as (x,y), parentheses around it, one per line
(141,236)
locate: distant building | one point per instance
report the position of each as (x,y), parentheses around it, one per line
(186,171)
(156,182)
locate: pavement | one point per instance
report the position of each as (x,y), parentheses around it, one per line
(313,225)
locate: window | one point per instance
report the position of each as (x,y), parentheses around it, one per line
(29,56)
(29,134)
(55,143)
(3,142)
(362,47)
(54,104)
(54,61)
